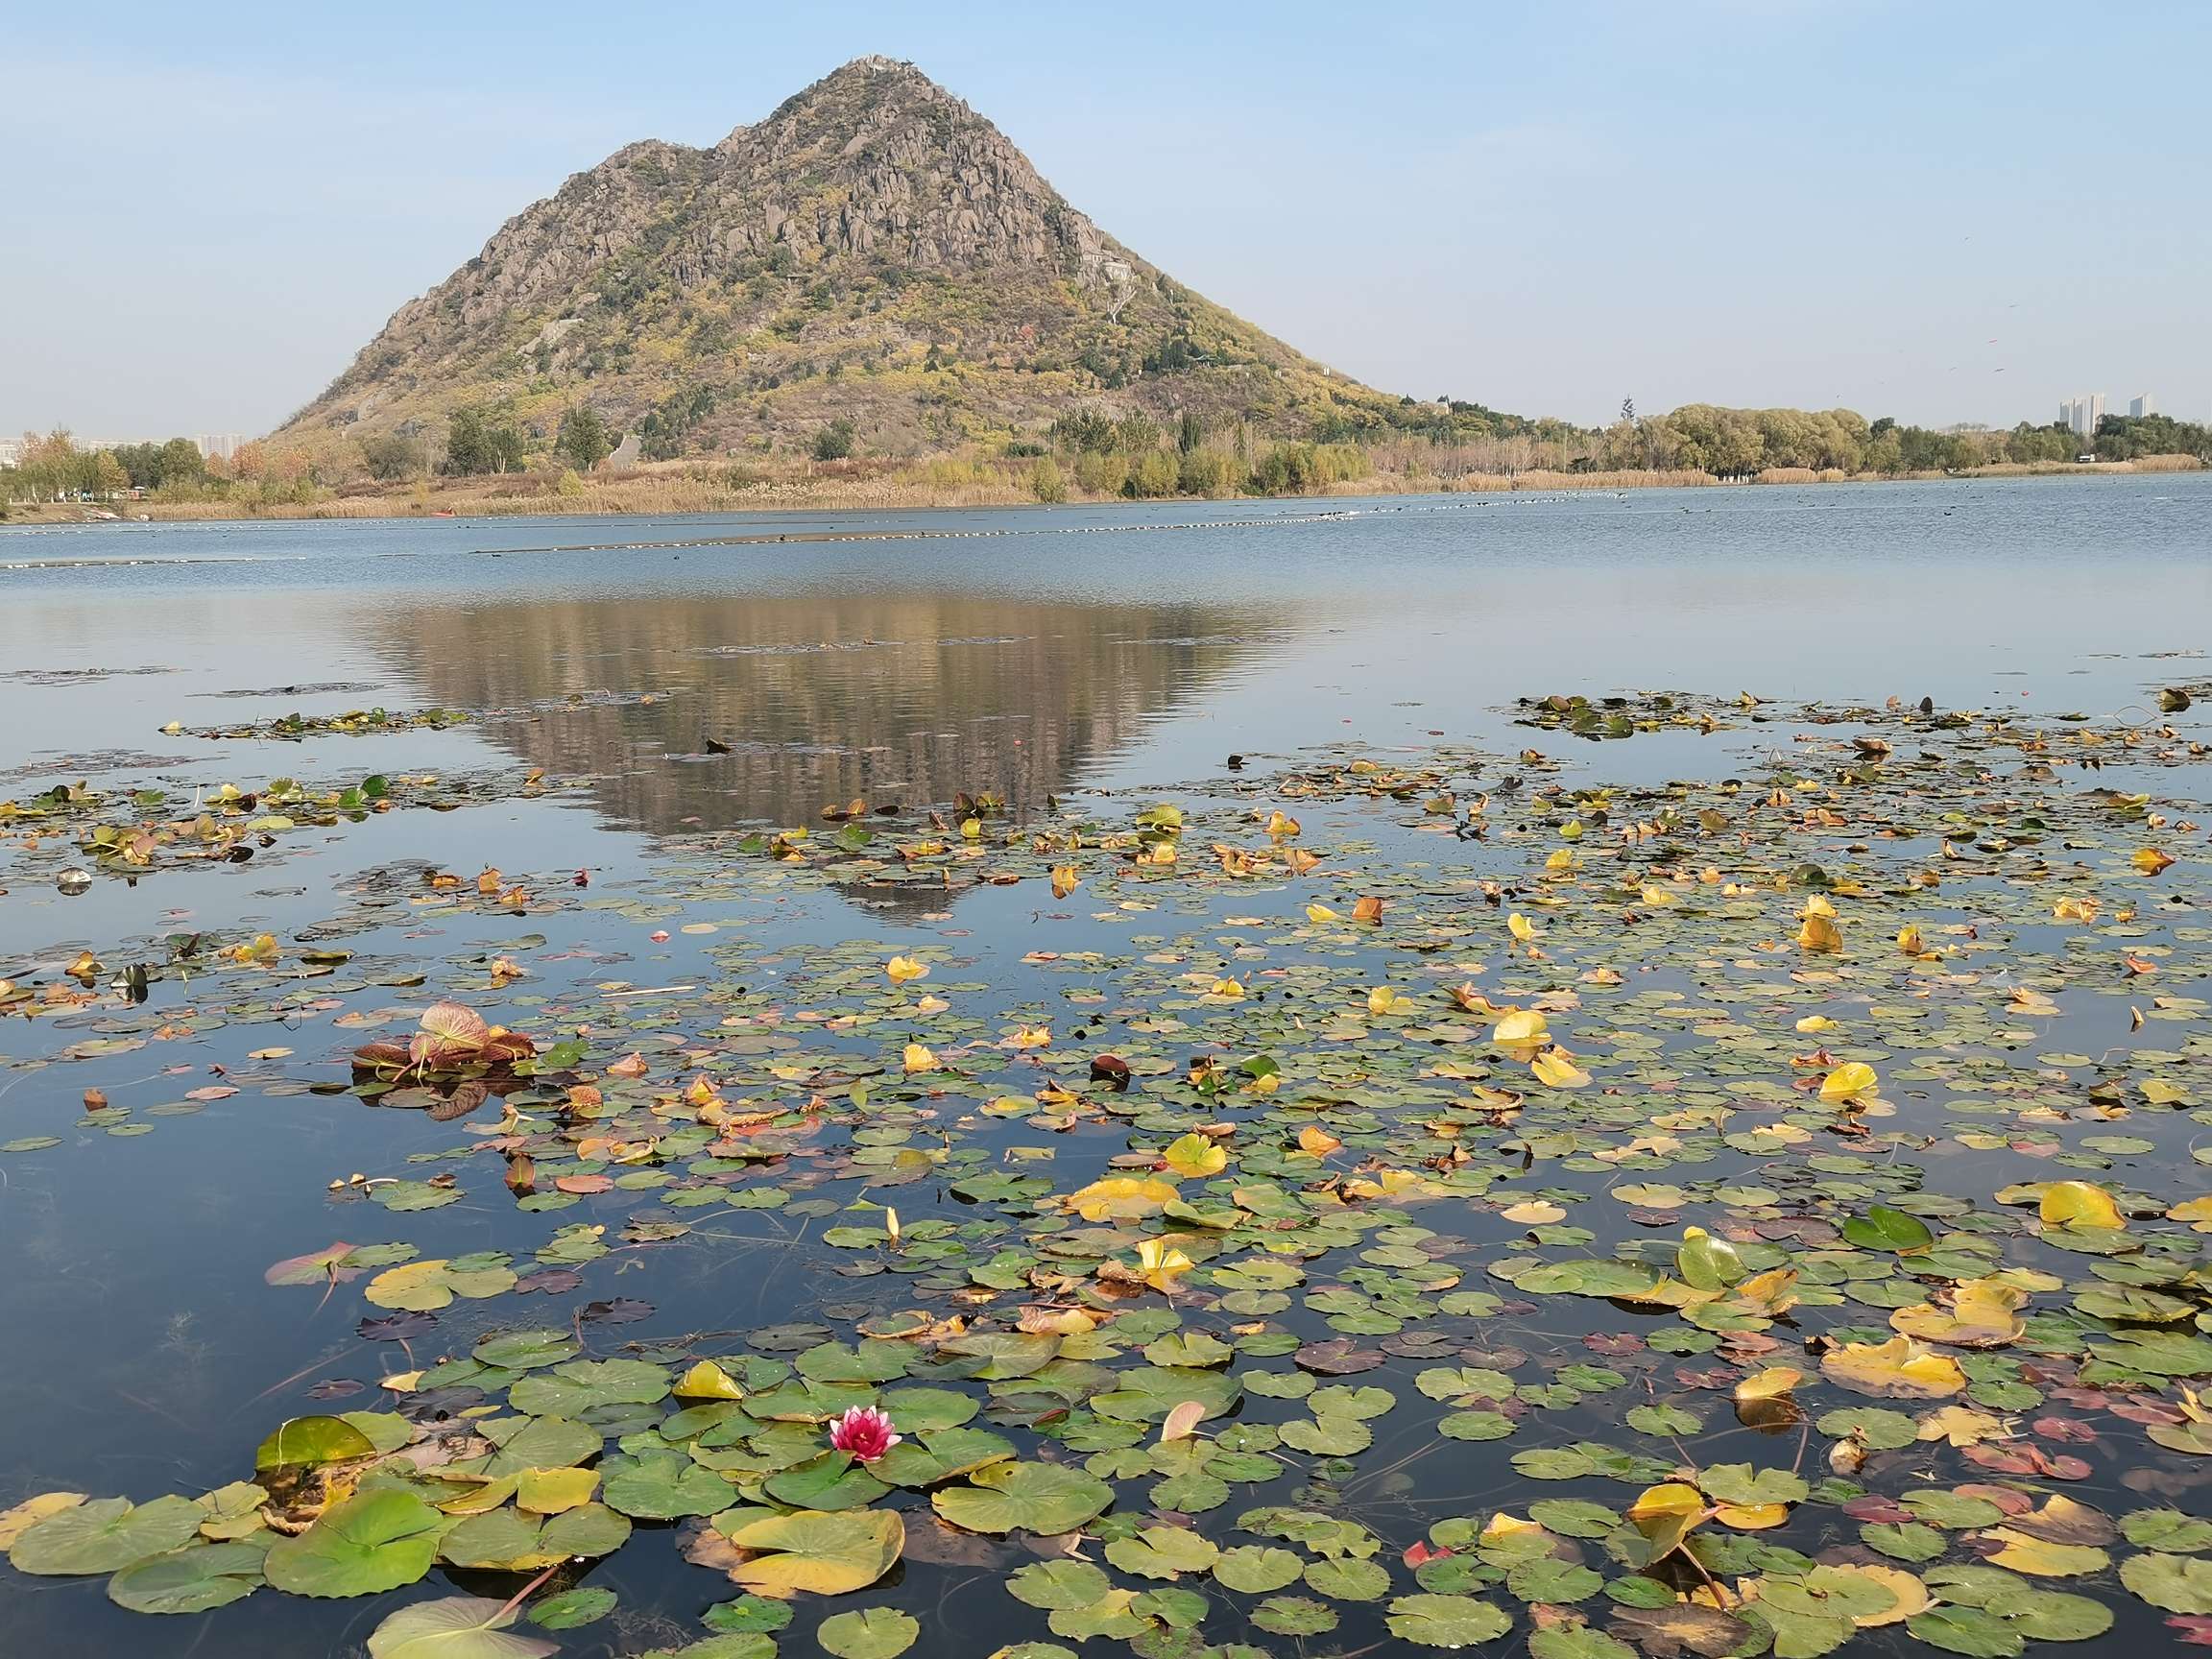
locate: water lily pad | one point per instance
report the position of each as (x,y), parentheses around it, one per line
(370,1542)
(194,1579)
(1060,1584)
(526,1350)
(1741,1483)
(1147,1393)
(1474,1426)
(1329,1436)
(1044,1497)
(1972,1631)
(576,1386)
(1164,1552)
(1294,1616)
(537,1443)
(455,1628)
(309,1440)
(507,1540)
(747,1614)
(1553,1582)
(1882,1228)
(1447,1621)
(572,1609)
(661,1486)
(832,1480)
(2177,1584)
(2167,1530)
(1257,1568)
(105,1535)
(870,1633)
(918,1410)
(825,1555)
(1348,1580)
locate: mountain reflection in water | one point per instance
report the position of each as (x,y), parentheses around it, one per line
(822,698)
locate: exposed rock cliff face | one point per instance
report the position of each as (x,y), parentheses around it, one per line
(874,250)
(913,174)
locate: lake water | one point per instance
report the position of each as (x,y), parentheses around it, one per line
(640,704)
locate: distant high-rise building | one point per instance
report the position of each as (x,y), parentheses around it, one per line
(2081,415)
(2138,407)
(226,445)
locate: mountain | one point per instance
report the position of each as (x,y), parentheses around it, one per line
(875,251)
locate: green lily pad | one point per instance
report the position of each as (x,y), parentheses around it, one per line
(869,1633)
(1576,1641)
(105,1535)
(920,1411)
(1573,1516)
(1330,1437)
(507,1540)
(1882,1228)
(747,1614)
(1447,1621)
(1058,1584)
(2177,1584)
(576,1386)
(829,1481)
(1257,1569)
(309,1440)
(1294,1616)
(661,1486)
(2167,1530)
(526,1350)
(1972,1631)
(1148,1393)
(1043,1498)
(455,1628)
(1551,1581)
(572,1609)
(1474,1426)
(1163,1551)
(1348,1580)
(1741,1483)
(194,1579)
(370,1542)
(537,1443)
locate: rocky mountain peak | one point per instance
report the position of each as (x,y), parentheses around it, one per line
(871,223)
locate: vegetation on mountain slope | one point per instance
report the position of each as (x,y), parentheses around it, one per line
(874,253)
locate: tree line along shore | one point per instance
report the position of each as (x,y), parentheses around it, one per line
(485,463)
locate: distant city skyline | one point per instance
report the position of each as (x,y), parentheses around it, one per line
(2081,413)
(1751,203)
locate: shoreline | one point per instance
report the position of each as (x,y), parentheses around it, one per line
(670,494)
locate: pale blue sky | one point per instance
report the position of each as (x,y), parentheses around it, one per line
(1941,211)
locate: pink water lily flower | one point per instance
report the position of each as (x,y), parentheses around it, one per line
(865,1433)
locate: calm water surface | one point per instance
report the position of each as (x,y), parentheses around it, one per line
(1033,655)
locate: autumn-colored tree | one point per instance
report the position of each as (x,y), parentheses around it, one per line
(52,467)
